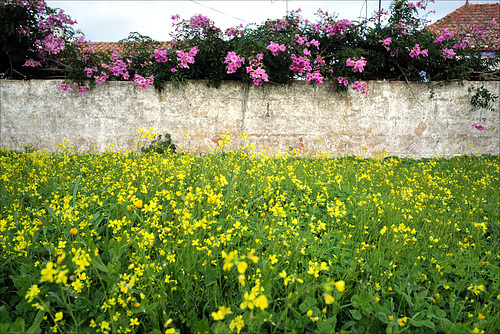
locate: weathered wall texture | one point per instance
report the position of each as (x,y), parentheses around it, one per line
(395,118)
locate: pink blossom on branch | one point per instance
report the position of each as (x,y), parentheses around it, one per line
(358,65)
(233,62)
(275,48)
(416,51)
(448,53)
(143,82)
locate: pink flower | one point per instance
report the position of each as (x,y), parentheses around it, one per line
(276,48)
(316,76)
(143,82)
(233,62)
(65,88)
(479,127)
(448,53)
(349,62)
(342,80)
(361,86)
(416,51)
(32,63)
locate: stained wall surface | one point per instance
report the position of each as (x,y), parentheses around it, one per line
(395,118)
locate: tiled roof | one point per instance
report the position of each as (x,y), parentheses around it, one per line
(477,15)
(115,46)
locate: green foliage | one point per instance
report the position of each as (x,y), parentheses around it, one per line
(482,98)
(160,146)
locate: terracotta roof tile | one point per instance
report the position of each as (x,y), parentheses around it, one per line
(477,15)
(115,46)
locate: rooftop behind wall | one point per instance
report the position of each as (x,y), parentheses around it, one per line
(395,118)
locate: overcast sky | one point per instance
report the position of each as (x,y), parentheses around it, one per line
(110,21)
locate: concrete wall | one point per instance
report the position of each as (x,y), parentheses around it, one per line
(395,118)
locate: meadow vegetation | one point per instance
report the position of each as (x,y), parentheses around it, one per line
(235,241)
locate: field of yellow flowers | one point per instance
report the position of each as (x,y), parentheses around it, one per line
(234,241)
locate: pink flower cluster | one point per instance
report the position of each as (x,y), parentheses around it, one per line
(448,53)
(233,62)
(89,71)
(160,55)
(67,88)
(143,82)
(445,35)
(257,73)
(463,43)
(275,48)
(316,76)
(119,67)
(343,81)
(357,66)
(416,51)
(186,58)
(338,29)
(233,31)
(300,64)
(32,63)
(101,78)
(52,44)
(361,86)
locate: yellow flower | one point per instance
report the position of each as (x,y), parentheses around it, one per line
(238,323)
(340,285)
(480,316)
(273,258)
(48,273)
(58,317)
(402,321)
(241,279)
(32,293)
(252,257)
(248,302)
(329,298)
(221,313)
(377,299)
(73,231)
(261,302)
(391,318)
(104,325)
(134,322)
(242,267)
(309,313)
(138,203)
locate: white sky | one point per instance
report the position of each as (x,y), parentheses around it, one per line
(110,21)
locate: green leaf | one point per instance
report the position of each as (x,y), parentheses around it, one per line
(366,297)
(355,314)
(428,323)
(50,211)
(310,302)
(97,262)
(441,313)
(355,301)
(202,326)
(35,327)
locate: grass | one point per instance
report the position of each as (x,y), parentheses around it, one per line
(237,242)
